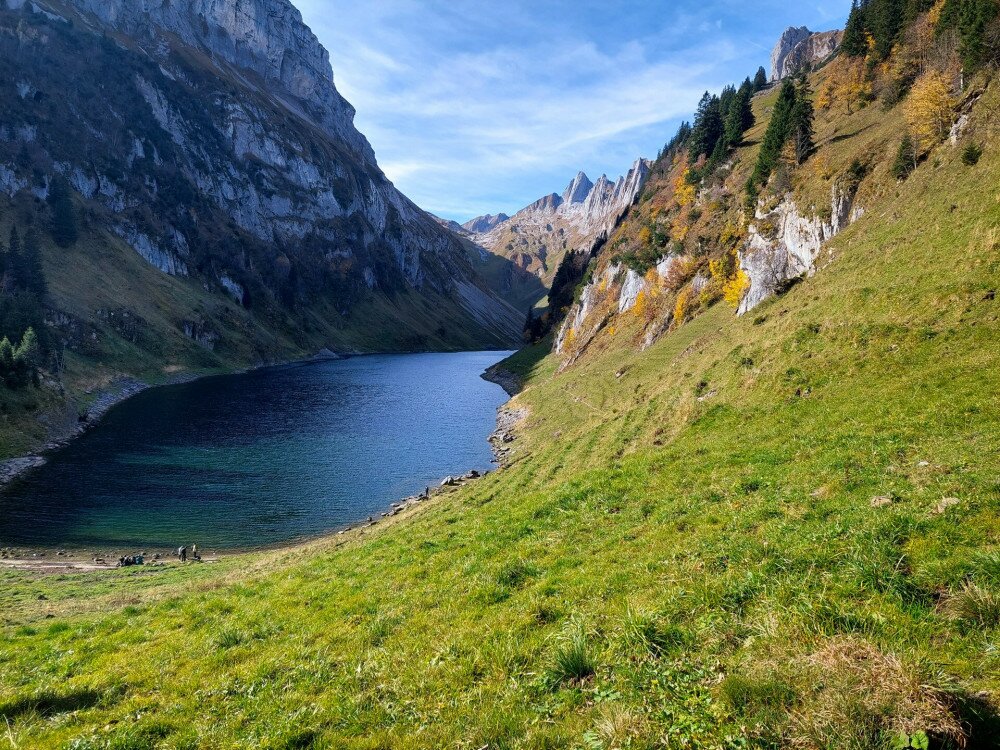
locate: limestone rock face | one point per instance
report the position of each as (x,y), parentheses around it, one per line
(783,244)
(786,43)
(815,49)
(483,224)
(625,288)
(799,47)
(267,37)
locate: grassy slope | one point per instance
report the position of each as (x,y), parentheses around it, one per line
(718,560)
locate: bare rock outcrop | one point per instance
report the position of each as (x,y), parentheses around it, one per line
(784,244)
(799,47)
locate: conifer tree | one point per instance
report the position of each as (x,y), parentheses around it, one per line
(974,18)
(29,353)
(801,124)
(63,215)
(726,98)
(854,43)
(740,117)
(707,128)
(6,357)
(775,138)
(885,22)
(760,80)
(31,262)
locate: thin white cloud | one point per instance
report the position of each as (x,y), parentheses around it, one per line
(473,108)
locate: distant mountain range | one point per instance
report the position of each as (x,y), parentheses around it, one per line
(538,237)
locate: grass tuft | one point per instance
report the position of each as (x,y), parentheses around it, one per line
(974,605)
(573,660)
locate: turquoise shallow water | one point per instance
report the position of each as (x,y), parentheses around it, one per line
(244,461)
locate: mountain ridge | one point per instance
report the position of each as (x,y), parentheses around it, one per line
(537,237)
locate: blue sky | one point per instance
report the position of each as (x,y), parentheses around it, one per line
(477,107)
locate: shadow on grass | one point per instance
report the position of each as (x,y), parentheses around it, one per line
(982,720)
(524,362)
(846,136)
(50,704)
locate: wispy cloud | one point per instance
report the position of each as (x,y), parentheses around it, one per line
(474,108)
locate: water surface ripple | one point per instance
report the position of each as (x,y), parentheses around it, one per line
(251,460)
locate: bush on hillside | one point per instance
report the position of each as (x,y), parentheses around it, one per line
(971,154)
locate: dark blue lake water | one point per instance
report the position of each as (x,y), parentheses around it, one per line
(245,461)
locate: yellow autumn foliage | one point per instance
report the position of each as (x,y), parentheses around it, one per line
(929,109)
(684,192)
(639,308)
(734,289)
(686,302)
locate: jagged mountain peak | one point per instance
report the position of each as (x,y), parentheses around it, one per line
(578,189)
(799,47)
(540,235)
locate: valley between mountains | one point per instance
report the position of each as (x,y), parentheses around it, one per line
(748,495)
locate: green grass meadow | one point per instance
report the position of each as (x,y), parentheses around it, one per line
(781,530)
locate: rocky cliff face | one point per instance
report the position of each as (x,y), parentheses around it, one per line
(539,236)
(208,135)
(784,245)
(266,37)
(799,47)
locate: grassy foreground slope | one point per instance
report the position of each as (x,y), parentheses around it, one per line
(685,551)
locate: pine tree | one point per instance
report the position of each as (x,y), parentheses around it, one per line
(884,20)
(775,138)
(6,358)
(974,18)
(29,353)
(707,127)
(760,80)
(801,124)
(906,159)
(854,43)
(740,117)
(31,263)
(63,215)
(726,99)
(677,142)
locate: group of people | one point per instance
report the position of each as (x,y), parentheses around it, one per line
(182,553)
(129,560)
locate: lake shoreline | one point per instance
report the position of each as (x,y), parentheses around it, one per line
(65,559)
(504,378)
(121,390)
